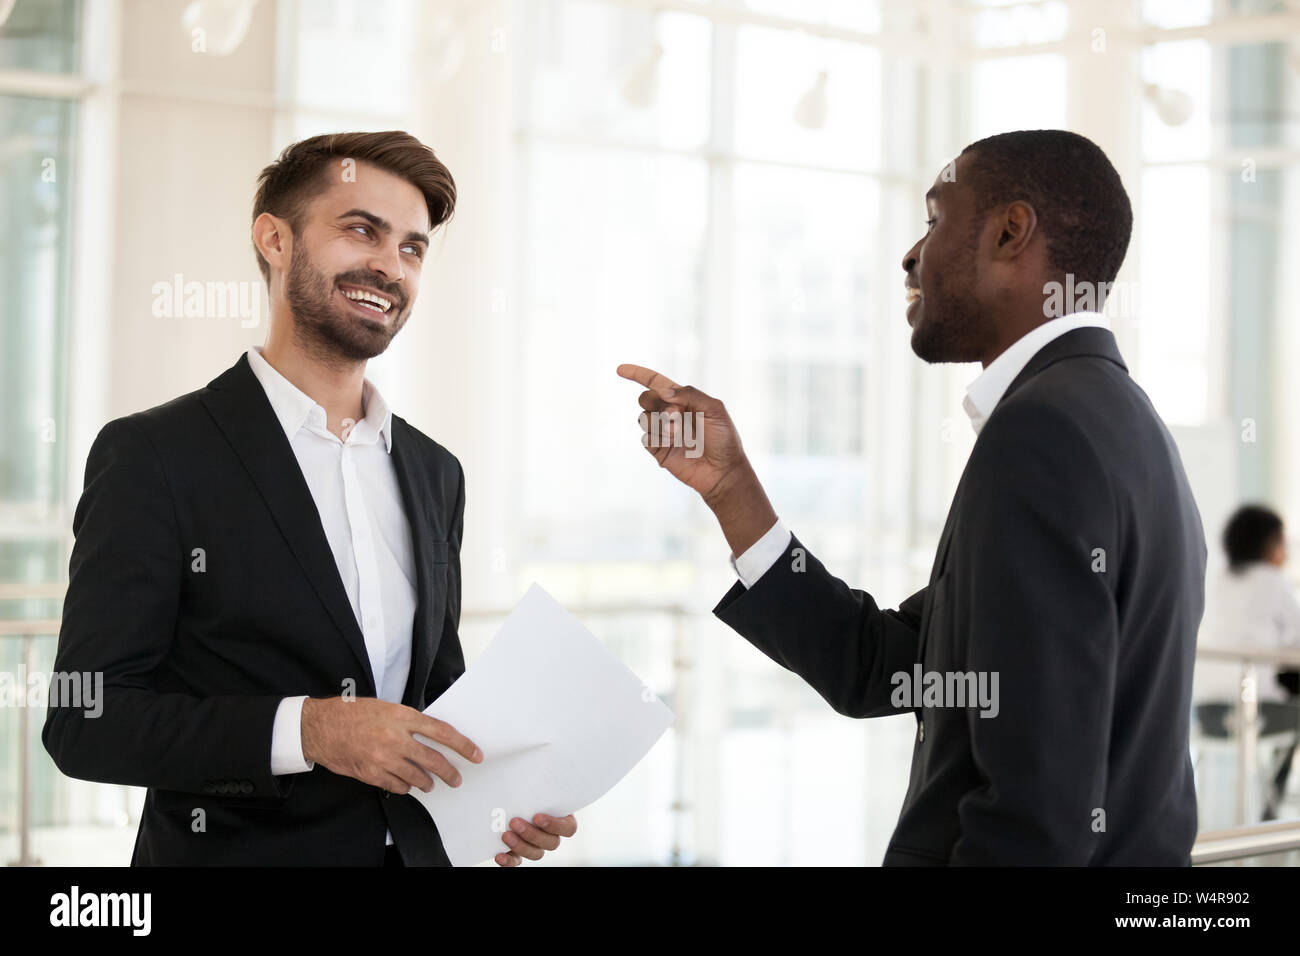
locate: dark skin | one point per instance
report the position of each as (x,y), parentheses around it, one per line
(981,289)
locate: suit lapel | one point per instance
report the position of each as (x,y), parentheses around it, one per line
(415,499)
(1088,340)
(242,411)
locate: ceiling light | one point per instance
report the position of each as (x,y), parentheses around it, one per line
(642,82)
(1174,107)
(810,113)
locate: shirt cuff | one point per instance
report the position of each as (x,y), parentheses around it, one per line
(286,738)
(762,554)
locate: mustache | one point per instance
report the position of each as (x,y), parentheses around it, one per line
(389,290)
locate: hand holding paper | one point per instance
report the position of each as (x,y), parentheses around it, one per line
(573,723)
(532,840)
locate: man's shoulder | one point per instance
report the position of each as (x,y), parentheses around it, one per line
(434,454)
(1084,394)
(159,423)
(1066,422)
(180,414)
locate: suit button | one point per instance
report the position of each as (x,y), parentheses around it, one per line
(920,732)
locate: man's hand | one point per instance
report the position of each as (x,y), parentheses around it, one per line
(372,741)
(527,840)
(718,453)
(720,472)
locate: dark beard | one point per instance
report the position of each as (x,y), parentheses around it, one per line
(327,331)
(953,328)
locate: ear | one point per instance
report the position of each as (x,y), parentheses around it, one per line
(1016,229)
(273,239)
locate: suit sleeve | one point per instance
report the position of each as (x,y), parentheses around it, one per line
(835,637)
(1043,617)
(119,620)
(449,661)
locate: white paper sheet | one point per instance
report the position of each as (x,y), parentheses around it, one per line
(559,720)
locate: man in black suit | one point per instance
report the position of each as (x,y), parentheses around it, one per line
(1049,660)
(267,570)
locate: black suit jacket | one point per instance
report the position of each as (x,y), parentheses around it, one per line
(1072,564)
(195,662)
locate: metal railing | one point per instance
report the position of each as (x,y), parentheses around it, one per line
(1240,843)
(29,630)
(1248,719)
(1218,846)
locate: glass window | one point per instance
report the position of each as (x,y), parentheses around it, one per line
(1002,100)
(1175,281)
(614,246)
(1181,73)
(42,35)
(36,175)
(860,15)
(621,74)
(1009,24)
(822,107)
(35,169)
(1169,14)
(361,57)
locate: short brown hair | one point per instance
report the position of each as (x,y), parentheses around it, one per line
(286,186)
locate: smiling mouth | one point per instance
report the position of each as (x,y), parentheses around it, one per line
(913,294)
(368,299)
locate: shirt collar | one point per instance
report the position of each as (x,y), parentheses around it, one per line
(294,407)
(983,394)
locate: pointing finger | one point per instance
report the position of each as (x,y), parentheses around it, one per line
(646,376)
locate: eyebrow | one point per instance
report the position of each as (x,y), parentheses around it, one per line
(932,193)
(383,225)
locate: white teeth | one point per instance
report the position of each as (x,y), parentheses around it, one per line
(379,303)
(913,294)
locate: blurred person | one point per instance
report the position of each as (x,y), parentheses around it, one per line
(1069,578)
(267,570)
(1253,605)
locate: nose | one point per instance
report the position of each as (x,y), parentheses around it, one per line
(910,257)
(388,263)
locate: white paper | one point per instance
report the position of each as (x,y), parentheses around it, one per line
(559,720)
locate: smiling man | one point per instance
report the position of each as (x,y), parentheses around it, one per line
(1070,574)
(267,570)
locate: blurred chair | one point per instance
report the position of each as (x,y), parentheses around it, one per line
(1278,733)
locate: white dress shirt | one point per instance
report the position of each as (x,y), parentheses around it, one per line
(982,396)
(1255,608)
(354,485)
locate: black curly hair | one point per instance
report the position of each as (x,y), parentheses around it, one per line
(1249,534)
(1082,207)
